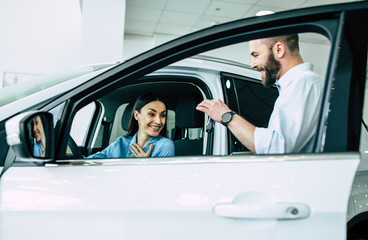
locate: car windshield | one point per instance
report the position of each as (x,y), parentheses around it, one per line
(20,90)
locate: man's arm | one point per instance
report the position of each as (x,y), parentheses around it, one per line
(243,131)
(241,128)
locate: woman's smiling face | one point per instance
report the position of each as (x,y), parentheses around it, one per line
(38,129)
(152,118)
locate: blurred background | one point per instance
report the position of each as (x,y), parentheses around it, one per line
(40,37)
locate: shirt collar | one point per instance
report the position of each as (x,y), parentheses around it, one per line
(292,74)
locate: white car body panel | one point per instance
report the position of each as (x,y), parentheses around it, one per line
(128,197)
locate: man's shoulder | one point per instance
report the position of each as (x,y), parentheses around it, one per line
(307,81)
(313,78)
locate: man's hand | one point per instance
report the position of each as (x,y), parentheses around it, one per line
(138,151)
(213,108)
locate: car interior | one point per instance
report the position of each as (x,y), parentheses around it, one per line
(109,114)
(184,124)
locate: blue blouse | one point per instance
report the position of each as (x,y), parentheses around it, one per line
(38,150)
(163,147)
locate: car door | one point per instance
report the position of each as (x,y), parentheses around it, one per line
(263,197)
(291,196)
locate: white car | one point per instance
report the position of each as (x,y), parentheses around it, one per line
(214,188)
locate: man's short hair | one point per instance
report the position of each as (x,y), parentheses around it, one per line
(291,41)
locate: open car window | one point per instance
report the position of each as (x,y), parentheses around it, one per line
(202,76)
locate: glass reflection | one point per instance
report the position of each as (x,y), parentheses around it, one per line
(39,138)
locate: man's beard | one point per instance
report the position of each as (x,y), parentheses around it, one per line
(272,69)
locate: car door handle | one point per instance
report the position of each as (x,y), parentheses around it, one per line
(268,211)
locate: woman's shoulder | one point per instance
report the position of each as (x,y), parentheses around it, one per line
(164,147)
(123,139)
(164,141)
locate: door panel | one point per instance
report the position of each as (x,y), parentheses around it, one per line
(178,198)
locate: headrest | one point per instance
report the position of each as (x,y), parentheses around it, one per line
(186,115)
(126,116)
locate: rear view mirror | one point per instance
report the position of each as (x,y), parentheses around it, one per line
(31,135)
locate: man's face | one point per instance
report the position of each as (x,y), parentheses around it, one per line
(264,61)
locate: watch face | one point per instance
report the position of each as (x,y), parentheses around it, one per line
(227,117)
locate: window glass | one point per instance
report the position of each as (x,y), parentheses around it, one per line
(81,124)
(251,100)
(56,112)
(255,101)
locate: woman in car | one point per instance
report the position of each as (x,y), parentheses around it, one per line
(38,134)
(145,137)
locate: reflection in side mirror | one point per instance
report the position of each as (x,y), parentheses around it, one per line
(31,135)
(38,144)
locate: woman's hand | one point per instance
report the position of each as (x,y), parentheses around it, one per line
(138,151)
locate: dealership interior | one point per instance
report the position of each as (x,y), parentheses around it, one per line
(42,37)
(184,119)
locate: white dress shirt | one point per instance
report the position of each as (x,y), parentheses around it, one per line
(293,123)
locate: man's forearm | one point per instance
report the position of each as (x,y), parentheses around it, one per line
(243,131)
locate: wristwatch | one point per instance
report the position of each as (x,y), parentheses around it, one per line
(226,117)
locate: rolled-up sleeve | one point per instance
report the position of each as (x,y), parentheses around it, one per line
(268,141)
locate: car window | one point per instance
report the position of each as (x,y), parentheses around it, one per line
(113,120)
(82,123)
(251,100)
(205,75)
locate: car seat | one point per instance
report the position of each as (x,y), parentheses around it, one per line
(186,117)
(126,116)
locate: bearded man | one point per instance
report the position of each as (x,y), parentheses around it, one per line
(293,123)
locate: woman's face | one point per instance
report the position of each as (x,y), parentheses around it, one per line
(152,118)
(38,128)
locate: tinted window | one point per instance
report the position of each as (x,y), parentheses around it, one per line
(251,100)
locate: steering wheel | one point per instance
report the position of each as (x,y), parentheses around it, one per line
(76,152)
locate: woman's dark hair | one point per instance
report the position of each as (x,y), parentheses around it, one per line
(141,101)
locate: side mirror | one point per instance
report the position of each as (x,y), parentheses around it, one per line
(31,135)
